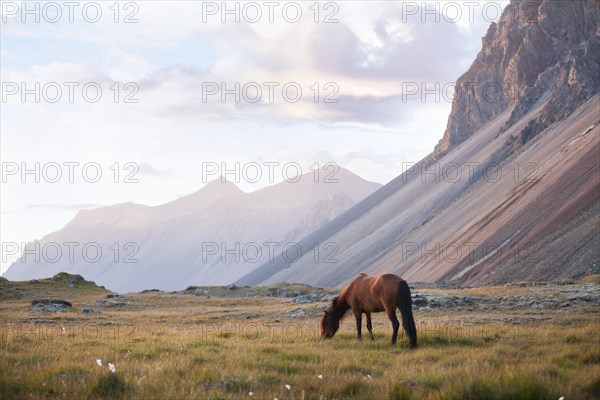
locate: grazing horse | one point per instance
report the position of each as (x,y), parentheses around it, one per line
(367,294)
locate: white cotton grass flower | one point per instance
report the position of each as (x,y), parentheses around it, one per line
(320,376)
(369,376)
(561,398)
(99,362)
(112,368)
(288,387)
(250,393)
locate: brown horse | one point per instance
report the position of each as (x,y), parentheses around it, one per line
(367,294)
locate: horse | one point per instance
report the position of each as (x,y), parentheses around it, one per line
(367,294)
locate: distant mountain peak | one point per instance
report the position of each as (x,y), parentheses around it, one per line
(221,186)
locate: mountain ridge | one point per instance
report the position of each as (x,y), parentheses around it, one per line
(174,242)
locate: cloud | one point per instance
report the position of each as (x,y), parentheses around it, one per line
(367,55)
(368,67)
(400,49)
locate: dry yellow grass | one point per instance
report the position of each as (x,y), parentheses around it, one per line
(171,346)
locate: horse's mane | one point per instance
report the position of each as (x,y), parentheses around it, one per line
(344,294)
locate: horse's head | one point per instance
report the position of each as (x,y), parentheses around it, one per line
(330,321)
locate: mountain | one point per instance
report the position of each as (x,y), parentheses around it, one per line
(539,54)
(213,236)
(511,192)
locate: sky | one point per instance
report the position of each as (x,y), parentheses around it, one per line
(146,101)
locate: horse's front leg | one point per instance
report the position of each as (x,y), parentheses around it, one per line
(369,325)
(358,316)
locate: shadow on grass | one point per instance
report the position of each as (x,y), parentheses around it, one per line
(353,389)
(111,386)
(491,388)
(342,341)
(439,340)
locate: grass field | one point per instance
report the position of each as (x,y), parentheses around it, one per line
(246,344)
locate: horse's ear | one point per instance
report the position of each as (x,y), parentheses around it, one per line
(326,312)
(334,301)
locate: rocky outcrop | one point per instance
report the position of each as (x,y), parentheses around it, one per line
(72,280)
(539,54)
(50,305)
(551,295)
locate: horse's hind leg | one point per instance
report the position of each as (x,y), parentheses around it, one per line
(369,325)
(391,313)
(358,316)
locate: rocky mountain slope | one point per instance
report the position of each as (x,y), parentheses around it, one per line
(539,54)
(213,236)
(511,192)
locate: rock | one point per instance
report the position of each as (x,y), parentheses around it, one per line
(108,303)
(116,296)
(327,297)
(419,300)
(431,301)
(90,311)
(232,287)
(63,303)
(50,305)
(65,276)
(71,280)
(105,323)
(309,298)
(297,312)
(150,290)
(35,320)
(304,298)
(437,302)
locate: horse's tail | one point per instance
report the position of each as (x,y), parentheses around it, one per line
(405,306)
